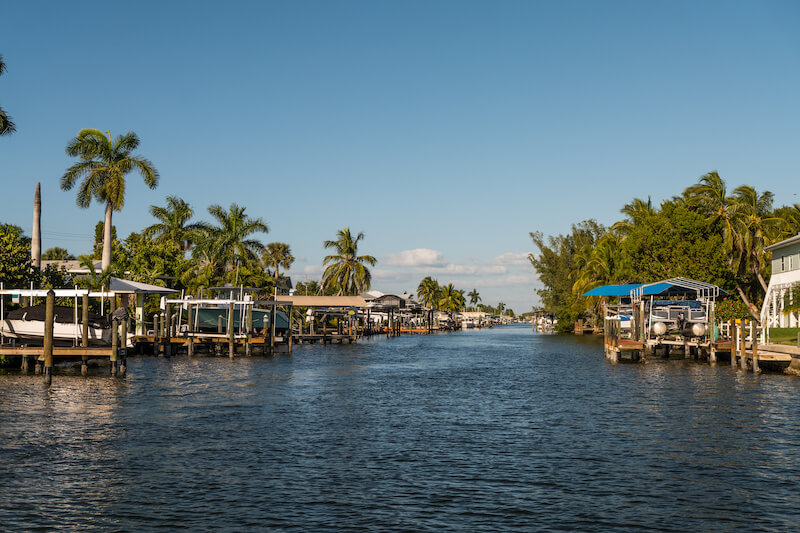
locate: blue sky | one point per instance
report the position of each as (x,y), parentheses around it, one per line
(445,131)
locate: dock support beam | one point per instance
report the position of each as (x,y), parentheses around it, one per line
(123,362)
(231,332)
(114,346)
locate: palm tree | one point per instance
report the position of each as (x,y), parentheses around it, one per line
(172,223)
(6,125)
(636,212)
(229,243)
(735,215)
(450,298)
(346,269)
(500,307)
(103,165)
(428,292)
(758,227)
(474,297)
(278,254)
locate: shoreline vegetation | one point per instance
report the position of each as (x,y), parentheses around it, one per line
(179,252)
(705,233)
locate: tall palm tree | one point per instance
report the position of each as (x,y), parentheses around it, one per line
(428,292)
(345,268)
(450,299)
(229,242)
(6,125)
(500,307)
(104,163)
(172,223)
(758,227)
(732,213)
(276,255)
(474,297)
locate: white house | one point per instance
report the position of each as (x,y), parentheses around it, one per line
(782,284)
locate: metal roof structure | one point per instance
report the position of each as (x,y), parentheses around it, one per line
(672,286)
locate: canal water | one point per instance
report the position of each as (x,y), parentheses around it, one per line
(499,429)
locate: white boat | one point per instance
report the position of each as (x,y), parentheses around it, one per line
(27,324)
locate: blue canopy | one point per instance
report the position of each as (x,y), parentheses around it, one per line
(673,286)
(613,290)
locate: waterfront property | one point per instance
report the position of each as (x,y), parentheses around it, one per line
(783,283)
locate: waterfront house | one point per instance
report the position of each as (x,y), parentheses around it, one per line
(783,283)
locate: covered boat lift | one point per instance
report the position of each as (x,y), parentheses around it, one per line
(637,323)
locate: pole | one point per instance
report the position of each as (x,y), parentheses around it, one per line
(48,337)
(85,332)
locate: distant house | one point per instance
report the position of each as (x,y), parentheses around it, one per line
(72,266)
(783,283)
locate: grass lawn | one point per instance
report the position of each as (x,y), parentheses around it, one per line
(783,335)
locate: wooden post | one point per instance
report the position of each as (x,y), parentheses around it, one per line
(734,344)
(289,334)
(47,351)
(248,329)
(231,331)
(756,368)
(273,324)
(190,332)
(123,363)
(167,326)
(85,332)
(742,338)
(114,346)
(156,351)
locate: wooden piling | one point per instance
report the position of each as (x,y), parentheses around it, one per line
(47,350)
(231,332)
(289,335)
(123,363)
(248,329)
(734,345)
(190,331)
(156,347)
(85,332)
(742,338)
(114,346)
(167,326)
(756,368)
(273,323)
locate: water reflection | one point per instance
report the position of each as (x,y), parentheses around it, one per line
(499,429)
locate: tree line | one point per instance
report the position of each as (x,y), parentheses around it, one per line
(174,250)
(707,233)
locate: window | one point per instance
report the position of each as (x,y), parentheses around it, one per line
(783,263)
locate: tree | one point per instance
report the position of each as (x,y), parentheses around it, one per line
(12,228)
(234,231)
(278,254)
(57,254)
(151,261)
(428,292)
(6,124)
(172,223)
(103,165)
(345,269)
(15,259)
(555,265)
(474,297)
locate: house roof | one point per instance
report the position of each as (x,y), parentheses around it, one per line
(123,286)
(781,244)
(325,301)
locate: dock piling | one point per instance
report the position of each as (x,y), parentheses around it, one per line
(114,346)
(47,351)
(123,363)
(85,332)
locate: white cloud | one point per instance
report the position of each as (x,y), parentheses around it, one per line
(512,258)
(415,258)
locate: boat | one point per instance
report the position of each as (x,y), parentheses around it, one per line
(27,325)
